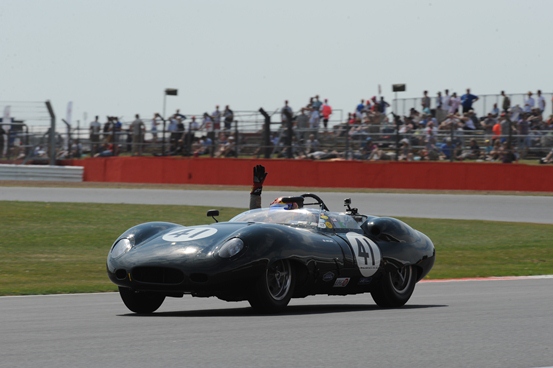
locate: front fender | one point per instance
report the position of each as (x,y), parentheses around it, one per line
(400,243)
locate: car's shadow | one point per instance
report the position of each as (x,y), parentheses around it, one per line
(289,311)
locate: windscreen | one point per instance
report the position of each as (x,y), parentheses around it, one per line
(301,217)
(305,217)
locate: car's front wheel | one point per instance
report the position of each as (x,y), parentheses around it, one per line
(141,303)
(273,290)
(395,288)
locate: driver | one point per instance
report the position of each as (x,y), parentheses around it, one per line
(259,175)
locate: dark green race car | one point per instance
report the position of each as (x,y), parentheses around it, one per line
(270,255)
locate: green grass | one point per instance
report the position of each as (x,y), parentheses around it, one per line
(61,248)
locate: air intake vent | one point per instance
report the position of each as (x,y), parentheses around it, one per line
(157,275)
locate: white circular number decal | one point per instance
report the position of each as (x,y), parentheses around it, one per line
(366,252)
(185,234)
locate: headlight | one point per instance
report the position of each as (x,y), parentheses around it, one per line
(121,247)
(231,248)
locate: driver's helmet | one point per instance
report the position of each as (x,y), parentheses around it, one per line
(278,203)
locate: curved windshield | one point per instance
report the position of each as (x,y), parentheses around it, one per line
(300,217)
(304,217)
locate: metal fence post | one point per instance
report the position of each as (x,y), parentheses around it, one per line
(52,142)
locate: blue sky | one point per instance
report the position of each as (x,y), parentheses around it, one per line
(117,57)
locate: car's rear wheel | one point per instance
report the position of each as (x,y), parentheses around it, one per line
(139,302)
(273,290)
(395,288)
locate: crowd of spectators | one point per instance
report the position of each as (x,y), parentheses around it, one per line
(450,129)
(445,127)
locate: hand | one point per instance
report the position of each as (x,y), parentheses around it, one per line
(259,176)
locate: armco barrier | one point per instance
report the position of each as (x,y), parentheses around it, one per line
(41,172)
(333,174)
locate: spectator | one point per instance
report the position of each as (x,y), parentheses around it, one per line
(326,110)
(467,100)
(228,115)
(177,114)
(506,104)
(515,112)
(440,112)
(206,145)
(425,101)
(454,103)
(106,151)
(94,129)
(472,153)
(496,130)
(439,101)
(487,125)
(172,128)
(547,159)
(117,128)
(302,125)
(382,105)
(208,126)
(155,122)
(314,121)
(445,106)
(505,123)
(475,121)
(529,103)
(523,129)
(179,137)
(312,144)
(286,114)
(466,122)
(488,148)
(108,127)
(137,129)
(360,109)
(224,146)
(507,155)
(541,102)
(495,110)
(216,117)
(317,104)
(405,152)
(446,149)
(431,132)
(496,151)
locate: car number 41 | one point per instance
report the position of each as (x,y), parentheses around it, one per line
(366,252)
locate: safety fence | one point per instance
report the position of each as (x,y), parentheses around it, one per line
(257,134)
(482,107)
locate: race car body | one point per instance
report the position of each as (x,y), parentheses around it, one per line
(270,255)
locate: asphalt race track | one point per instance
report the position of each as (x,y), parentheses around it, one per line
(535,209)
(499,323)
(453,324)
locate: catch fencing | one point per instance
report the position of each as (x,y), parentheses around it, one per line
(257,134)
(482,107)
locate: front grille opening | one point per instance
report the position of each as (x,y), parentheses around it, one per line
(198,277)
(120,274)
(157,275)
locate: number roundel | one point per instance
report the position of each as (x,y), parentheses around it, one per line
(184,234)
(366,252)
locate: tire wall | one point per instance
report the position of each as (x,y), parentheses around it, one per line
(321,174)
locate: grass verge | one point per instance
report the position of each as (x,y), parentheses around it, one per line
(48,248)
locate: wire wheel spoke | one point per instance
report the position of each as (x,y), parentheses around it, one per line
(400,278)
(278,279)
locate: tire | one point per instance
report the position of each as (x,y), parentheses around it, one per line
(142,303)
(395,288)
(273,290)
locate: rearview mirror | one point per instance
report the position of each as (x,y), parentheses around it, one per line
(212,214)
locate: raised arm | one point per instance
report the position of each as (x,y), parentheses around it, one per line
(259,176)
